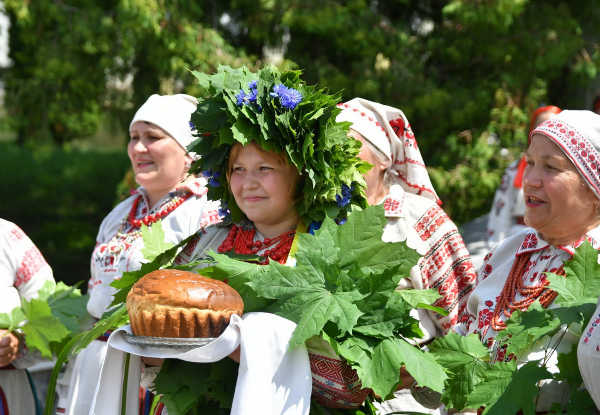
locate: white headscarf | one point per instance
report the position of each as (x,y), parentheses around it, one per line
(577,134)
(389,131)
(171,113)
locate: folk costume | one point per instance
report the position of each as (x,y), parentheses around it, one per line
(508,207)
(588,356)
(23,272)
(512,276)
(119,244)
(413,215)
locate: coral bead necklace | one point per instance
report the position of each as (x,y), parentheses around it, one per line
(151,218)
(514,285)
(242,242)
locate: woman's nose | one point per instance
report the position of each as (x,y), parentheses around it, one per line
(532,177)
(139,145)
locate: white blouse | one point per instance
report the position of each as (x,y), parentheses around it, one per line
(23,272)
(119,245)
(491,279)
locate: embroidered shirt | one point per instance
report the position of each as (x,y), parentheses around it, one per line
(119,244)
(490,281)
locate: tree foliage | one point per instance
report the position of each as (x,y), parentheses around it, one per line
(466,72)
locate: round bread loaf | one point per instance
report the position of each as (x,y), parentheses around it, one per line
(173,303)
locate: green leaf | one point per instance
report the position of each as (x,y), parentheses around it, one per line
(524,328)
(237,274)
(465,360)
(42,328)
(154,240)
(11,321)
(415,297)
(422,366)
(206,387)
(497,377)
(521,391)
(582,281)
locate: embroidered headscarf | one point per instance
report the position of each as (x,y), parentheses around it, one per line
(171,113)
(387,128)
(577,134)
(518,181)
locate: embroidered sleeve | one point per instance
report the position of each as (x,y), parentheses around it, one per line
(447,265)
(31,270)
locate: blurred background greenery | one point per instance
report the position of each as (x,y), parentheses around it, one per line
(467,73)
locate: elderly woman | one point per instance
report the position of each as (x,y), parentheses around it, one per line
(561,187)
(399,181)
(508,207)
(159,134)
(23,272)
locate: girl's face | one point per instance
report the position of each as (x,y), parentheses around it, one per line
(559,203)
(158,161)
(264,188)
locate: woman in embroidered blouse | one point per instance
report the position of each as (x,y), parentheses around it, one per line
(399,181)
(274,186)
(508,207)
(160,131)
(561,187)
(23,272)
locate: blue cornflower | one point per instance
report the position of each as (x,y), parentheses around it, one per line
(223,210)
(341,221)
(314,226)
(278,90)
(288,97)
(252,96)
(207,173)
(213,182)
(241,98)
(192,126)
(252,84)
(343,199)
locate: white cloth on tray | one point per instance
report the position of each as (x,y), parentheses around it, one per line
(272,380)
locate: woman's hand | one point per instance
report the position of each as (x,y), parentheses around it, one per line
(9,347)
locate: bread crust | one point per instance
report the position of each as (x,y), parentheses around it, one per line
(174,303)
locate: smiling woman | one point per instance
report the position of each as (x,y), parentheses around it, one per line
(160,132)
(561,185)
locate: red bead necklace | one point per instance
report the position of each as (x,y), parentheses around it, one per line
(513,286)
(151,218)
(242,242)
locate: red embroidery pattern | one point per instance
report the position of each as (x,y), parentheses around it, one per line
(391,205)
(447,267)
(579,149)
(335,383)
(210,217)
(32,262)
(16,234)
(430,222)
(530,241)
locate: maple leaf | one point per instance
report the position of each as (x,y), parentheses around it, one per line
(582,282)
(154,240)
(42,328)
(520,393)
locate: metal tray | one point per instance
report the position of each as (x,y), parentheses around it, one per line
(169,342)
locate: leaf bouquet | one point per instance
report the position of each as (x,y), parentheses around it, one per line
(342,288)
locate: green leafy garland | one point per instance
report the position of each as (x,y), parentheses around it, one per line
(280,113)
